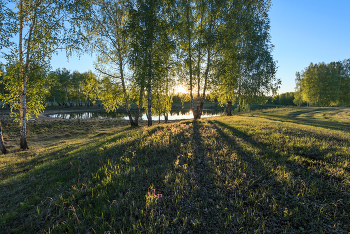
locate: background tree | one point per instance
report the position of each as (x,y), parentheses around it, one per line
(298,90)
(92,88)
(65,81)
(2,144)
(344,84)
(325,84)
(55,94)
(2,85)
(111,94)
(78,85)
(107,30)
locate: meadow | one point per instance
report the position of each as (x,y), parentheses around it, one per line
(265,171)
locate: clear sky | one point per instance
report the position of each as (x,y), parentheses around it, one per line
(303,31)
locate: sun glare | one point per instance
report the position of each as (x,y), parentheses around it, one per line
(180,89)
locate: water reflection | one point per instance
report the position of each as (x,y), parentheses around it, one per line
(174,115)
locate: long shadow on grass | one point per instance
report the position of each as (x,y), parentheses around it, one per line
(53,155)
(256,178)
(293,118)
(291,165)
(310,113)
(77,191)
(208,213)
(329,191)
(208,201)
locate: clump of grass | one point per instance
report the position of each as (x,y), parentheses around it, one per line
(263,171)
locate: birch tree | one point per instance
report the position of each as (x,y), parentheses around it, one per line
(148,27)
(41,27)
(2,144)
(5,31)
(106,28)
(247,55)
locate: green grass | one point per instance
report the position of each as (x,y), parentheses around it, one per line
(273,171)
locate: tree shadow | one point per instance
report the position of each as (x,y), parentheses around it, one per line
(69,182)
(33,160)
(293,118)
(206,185)
(303,178)
(255,178)
(203,192)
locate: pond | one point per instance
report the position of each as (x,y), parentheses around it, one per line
(173,115)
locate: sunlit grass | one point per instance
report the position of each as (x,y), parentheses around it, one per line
(276,170)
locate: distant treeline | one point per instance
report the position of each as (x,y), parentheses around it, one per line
(324,84)
(65,88)
(286,99)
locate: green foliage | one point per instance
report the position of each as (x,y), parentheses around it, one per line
(217,47)
(246,70)
(161,104)
(64,85)
(36,96)
(2,86)
(110,94)
(91,86)
(7,24)
(221,47)
(324,84)
(286,99)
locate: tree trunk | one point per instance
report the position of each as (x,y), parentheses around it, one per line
(166,118)
(196,114)
(23,100)
(166,114)
(149,114)
(70,102)
(199,99)
(205,85)
(2,144)
(23,116)
(140,105)
(159,109)
(190,58)
(150,90)
(229,107)
(239,104)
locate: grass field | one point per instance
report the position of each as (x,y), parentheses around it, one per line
(276,170)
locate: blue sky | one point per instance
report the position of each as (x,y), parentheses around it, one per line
(303,31)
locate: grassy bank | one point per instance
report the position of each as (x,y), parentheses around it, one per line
(277,170)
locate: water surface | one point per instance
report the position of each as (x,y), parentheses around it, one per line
(173,115)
